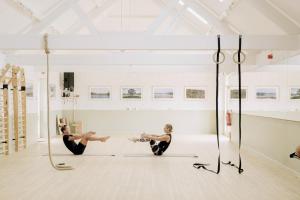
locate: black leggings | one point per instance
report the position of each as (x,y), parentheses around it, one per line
(155,148)
(79,149)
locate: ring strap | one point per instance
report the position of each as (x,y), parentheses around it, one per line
(230,163)
(204,165)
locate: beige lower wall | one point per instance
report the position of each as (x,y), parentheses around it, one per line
(128,122)
(118,122)
(32,128)
(275,138)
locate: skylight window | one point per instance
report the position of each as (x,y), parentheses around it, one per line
(181,3)
(193,12)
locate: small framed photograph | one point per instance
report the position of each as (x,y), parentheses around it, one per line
(29,90)
(163,93)
(267,93)
(131,93)
(52,90)
(295,93)
(234,93)
(195,93)
(100,93)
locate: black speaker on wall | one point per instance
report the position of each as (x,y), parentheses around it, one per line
(69,81)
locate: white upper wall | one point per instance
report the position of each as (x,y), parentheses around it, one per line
(283,80)
(146,80)
(35,79)
(2,60)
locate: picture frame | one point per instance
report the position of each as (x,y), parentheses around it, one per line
(267,93)
(131,93)
(99,93)
(163,93)
(195,93)
(294,93)
(234,93)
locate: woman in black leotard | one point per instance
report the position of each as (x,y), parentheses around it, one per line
(158,143)
(78,148)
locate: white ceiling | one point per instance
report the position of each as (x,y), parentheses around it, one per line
(157,16)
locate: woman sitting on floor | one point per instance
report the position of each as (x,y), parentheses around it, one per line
(296,153)
(78,149)
(163,140)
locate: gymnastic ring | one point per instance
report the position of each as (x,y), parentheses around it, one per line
(215,57)
(235,55)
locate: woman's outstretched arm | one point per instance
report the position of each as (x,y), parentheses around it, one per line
(157,137)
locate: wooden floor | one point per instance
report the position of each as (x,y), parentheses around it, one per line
(28,175)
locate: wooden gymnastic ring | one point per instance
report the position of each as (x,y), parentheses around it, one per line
(235,55)
(215,57)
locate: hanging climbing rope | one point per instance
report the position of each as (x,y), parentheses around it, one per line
(60,166)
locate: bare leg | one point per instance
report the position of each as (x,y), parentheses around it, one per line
(298,151)
(83,141)
(91,137)
(97,138)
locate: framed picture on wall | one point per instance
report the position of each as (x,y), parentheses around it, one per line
(234,93)
(99,93)
(267,93)
(163,93)
(29,90)
(131,93)
(295,93)
(195,93)
(52,90)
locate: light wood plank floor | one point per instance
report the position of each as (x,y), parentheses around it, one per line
(28,175)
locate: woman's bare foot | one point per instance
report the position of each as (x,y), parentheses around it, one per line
(103,139)
(143,135)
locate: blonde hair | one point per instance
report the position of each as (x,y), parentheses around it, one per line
(169,126)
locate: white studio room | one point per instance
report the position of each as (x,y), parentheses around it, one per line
(149,99)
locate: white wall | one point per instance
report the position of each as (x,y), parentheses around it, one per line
(35,109)
(36,78)
(2,60)
(115,80)
(147,109)
(281,108)
(269,127)
(197,116)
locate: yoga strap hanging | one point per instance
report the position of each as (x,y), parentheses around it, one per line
(204,165)
(230,163)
